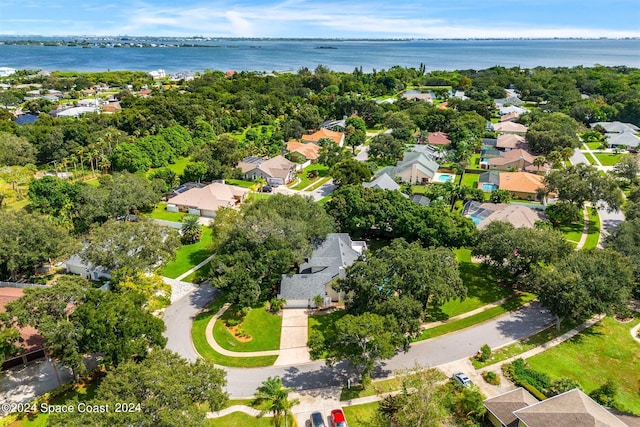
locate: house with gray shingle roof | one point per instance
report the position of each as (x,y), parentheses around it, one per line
(415,168)
(327,263)
(384,182)
(619,134)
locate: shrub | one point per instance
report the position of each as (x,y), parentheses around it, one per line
(312,174)
(240,332)
(485,353)
(276,304)
(491,377)
(605,394)
(534,391)
(562,385)
(232,322)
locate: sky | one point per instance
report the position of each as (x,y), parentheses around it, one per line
(323,19)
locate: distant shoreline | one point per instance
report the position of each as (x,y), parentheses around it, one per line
(5,37)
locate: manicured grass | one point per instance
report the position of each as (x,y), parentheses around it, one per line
(590,158)
(375,387)
(593,145)
(474,162)
(263,327)
(257,196)
(199,275)
(594,231)
(603,352)
(524,345)
(236,419)
(204,349)
(188,256)
(482,289)
(160,212)
(93,182)
(242,183)
(470,180)
(512,304)
(323,171)
(418,189)
(319,183)
(325,199)
(573,231)
(360,415)
(608,159)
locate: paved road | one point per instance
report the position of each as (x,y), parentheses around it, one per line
(179,316)
(608,220)
(455,346)
(323,191)
(578,157)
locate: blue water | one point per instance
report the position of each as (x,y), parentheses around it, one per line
(475,220)
(290,55)
(445,178)
(489,187)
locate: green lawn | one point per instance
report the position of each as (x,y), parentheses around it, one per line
(470,180)
(323,323)
(593,145)
(474,162)
(177,167)
(188,256)
(418,189)
(319,183)
(257,196)
(160,212)
(511,305)
(263,327)
(374,387)
(482,289)
(236,419)
(323,171)
(603,352)
(573,231)
(608,159)
(242,183)
(524,345)
(360,415)
(204,349)
(590,158)
(199,275)
(594,231)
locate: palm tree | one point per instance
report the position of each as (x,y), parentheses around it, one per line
(74,159)
(104,164)
(539,161)
(566,153)
(261,182)
(191,229)
(554,158)
(275,396)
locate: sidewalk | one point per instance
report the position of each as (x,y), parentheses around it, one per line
(585,229)
(430,325)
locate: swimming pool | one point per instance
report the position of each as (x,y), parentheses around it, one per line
(445,177)
(475,219)
(489,187)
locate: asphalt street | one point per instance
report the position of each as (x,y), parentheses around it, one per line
(447,348)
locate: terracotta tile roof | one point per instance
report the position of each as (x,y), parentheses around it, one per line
(438,138)
(523,182)
(509,117)
(310,150)
(337,137)
(31,339)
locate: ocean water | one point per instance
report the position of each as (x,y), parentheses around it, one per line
(345,55)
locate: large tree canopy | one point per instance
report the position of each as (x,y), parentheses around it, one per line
(263,241)
(578,184)
(553,132)
(140,245)
(371,211)
(403,280)
(585,283)
(164,390)
(28,241)
(517,250)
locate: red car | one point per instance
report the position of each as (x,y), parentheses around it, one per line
(337,418)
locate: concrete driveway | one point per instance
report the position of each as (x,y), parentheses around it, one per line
(293,340)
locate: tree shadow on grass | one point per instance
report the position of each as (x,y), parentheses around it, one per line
(198,256)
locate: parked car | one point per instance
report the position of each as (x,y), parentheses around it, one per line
(462,379)
(337,418)
(317,420)
(267,189)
